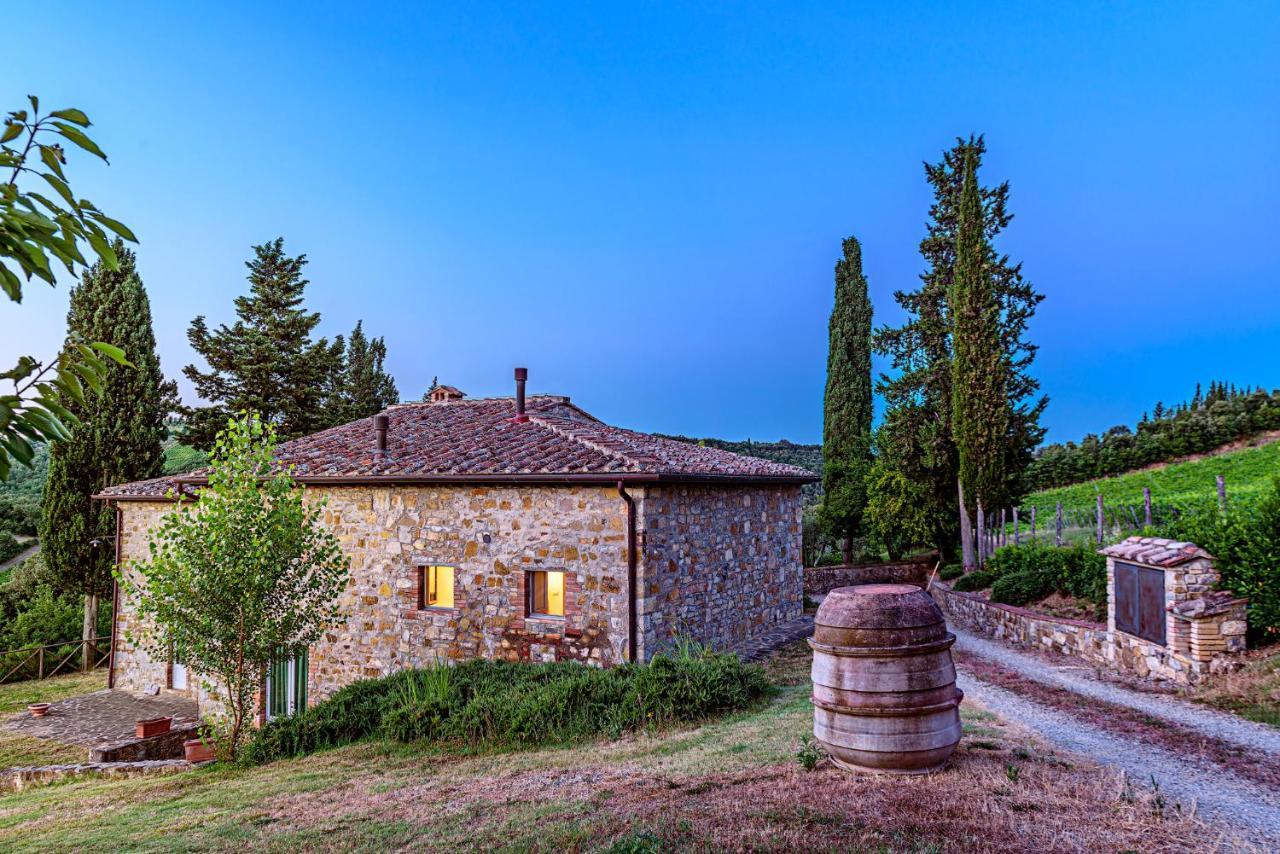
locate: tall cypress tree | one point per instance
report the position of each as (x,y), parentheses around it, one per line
(266,361)
(362,387)
(846,433)
(918,396)
(979,403)
(119,435)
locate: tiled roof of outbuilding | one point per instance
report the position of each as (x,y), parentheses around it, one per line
(481,440)
(1155,551)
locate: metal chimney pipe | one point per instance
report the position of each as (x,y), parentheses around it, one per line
(380,426)
(522,374)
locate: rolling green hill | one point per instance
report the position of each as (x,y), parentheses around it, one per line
(1247,473)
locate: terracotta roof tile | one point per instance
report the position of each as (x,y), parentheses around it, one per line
(1155,551)
(457,439)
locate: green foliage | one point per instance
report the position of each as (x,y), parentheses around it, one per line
(918,439)
(9,546)
(34,612)
(846,431)
(979,580)
(979,407)
(180,458)
(361,386)
(1245,540)
(809,754)
(1020,588)
(897,506)
(1226,414)
(245,574)
(266,361)
(121,426)
(1247,473)
(951,571)
(1077,571)
(39,231)
(518,704)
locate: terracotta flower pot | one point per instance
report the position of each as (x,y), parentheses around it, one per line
(38,710)
(153,726)
(197,751)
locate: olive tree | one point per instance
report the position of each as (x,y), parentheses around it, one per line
(240,575)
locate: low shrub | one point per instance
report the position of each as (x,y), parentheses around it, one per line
(978,580)
(1021,588)
(9,546)
(510,704)
(1245,540)
(1077,571)
(951,571)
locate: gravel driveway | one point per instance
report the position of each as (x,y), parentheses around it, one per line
(1250,810)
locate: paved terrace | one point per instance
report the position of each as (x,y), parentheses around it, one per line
(102,717)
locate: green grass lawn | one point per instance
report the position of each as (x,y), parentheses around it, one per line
(730,784)
(17,750)
(1248,472)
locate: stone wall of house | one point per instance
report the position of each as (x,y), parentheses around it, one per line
(492,536)
(1077,638)
(819,580)
(134,668)
(719,564)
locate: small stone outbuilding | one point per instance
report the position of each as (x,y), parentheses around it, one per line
(514,529)
(1165,616)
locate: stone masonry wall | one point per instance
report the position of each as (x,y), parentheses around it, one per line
(819,580)
(1087,641)
(719,564)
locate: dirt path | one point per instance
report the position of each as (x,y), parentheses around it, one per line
(1221,765)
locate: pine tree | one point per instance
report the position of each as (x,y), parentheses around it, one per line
(266,361)
(362,387)
(918,397)
(119,435)
(979,403)
(846,434)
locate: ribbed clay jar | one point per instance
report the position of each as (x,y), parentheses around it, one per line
(884,686)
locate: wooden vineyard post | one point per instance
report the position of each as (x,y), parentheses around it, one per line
(1222,494)
(1057,537)
(1100,514)
(1016,539)
(1033,524)
(1146,506)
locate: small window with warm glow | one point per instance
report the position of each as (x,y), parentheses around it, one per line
(437,587)
(546,593)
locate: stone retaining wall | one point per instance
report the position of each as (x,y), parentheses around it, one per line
(1077,638)
(820,580)
(166,745)
(17,779)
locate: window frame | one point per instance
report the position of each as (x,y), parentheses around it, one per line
(424,585)
(530,594)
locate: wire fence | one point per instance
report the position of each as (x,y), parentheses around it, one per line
(1072,526)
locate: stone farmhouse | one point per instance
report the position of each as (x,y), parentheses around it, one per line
(513,529)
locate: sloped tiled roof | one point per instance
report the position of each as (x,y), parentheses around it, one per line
(481,440)
(1155,551)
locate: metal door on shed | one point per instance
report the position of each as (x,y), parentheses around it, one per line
(1140,601)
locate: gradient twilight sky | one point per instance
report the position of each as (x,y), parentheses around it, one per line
(643,202)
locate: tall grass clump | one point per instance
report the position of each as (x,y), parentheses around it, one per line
(499,704)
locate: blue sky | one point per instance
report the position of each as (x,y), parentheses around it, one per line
(643,202)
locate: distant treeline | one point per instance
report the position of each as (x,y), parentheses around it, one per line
(1208,421)
(806,456)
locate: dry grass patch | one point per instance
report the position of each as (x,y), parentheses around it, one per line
(725,785)
(1252,692)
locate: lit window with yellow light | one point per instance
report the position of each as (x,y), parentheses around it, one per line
(546,593)
(437,587)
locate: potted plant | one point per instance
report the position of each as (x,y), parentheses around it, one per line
(38,710)
(198,750)
(153,726)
